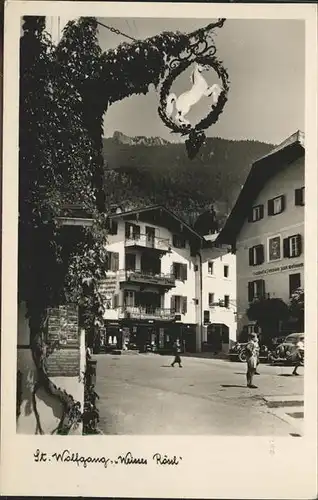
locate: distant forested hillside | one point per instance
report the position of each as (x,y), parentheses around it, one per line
(142,171)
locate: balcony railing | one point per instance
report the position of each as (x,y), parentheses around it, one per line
(144,240)
(147,277)
(146,312)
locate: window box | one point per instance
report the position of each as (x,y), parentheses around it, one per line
(256,214)
(256,255)
(276,205)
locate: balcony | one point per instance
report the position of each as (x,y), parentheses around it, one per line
(146,312)
(144,241)
(148,278)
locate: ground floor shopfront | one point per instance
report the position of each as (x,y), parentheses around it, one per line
(144,335)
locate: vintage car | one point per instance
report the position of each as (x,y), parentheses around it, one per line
(237,352)
(283,353)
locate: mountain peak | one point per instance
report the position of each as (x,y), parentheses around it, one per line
(120,138)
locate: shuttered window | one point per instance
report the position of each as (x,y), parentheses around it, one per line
(276,205)
(256,255)
(256,290)
(112,261)
(292,246)
(256,214)
(180,271)
(132,231)
(179,304)
(300,196)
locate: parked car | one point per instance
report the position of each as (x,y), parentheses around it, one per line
(284,351)
(238,353)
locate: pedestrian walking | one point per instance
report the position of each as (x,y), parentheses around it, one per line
(252,356)
(177,352)
(298,355)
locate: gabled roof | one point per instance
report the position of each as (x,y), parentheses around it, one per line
(158,215)
(261,172)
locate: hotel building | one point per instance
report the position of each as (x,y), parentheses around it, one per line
(266,228)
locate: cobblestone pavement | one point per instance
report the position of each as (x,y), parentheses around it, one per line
(143,394)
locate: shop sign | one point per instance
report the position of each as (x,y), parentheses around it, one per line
(278,269)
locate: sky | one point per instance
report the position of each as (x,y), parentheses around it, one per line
(265,60)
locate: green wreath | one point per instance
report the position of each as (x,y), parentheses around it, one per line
(195,132)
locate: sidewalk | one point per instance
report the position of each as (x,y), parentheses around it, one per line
(290,409)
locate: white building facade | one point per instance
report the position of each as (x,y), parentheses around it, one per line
(218,296)
(158,283)
(266,228)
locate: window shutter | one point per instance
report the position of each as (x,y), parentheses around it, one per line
(299,245)
(184,272)
(115,261)
(283,197)
(286,247)
(173,303)
(260,254)
(250,291)
(270,207)
(250,216)
(261,209)
(298,196)
(108,261)
(261,288)
(184,305)
(251,256)
(174,270)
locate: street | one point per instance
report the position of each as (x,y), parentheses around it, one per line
(143,394)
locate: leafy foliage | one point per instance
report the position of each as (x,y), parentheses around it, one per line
(268,313)
(297,307)
(60,163)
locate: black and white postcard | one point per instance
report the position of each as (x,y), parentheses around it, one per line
(159,260)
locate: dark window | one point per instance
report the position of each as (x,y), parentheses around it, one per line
(226,271)
(276,205)
(113,261)
(132,231)
(130,261)
(256,255)
(226,301)
(294,283)
(292,246)
(180,271)
(179,304)
(112,226)
(206,317)
(256,290)
(300,196)
(115,301)
(210,267)
(257,213)
(178,241)
(211,299)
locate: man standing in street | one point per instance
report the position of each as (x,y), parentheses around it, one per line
(298,355)
(252,355)
(177,352)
